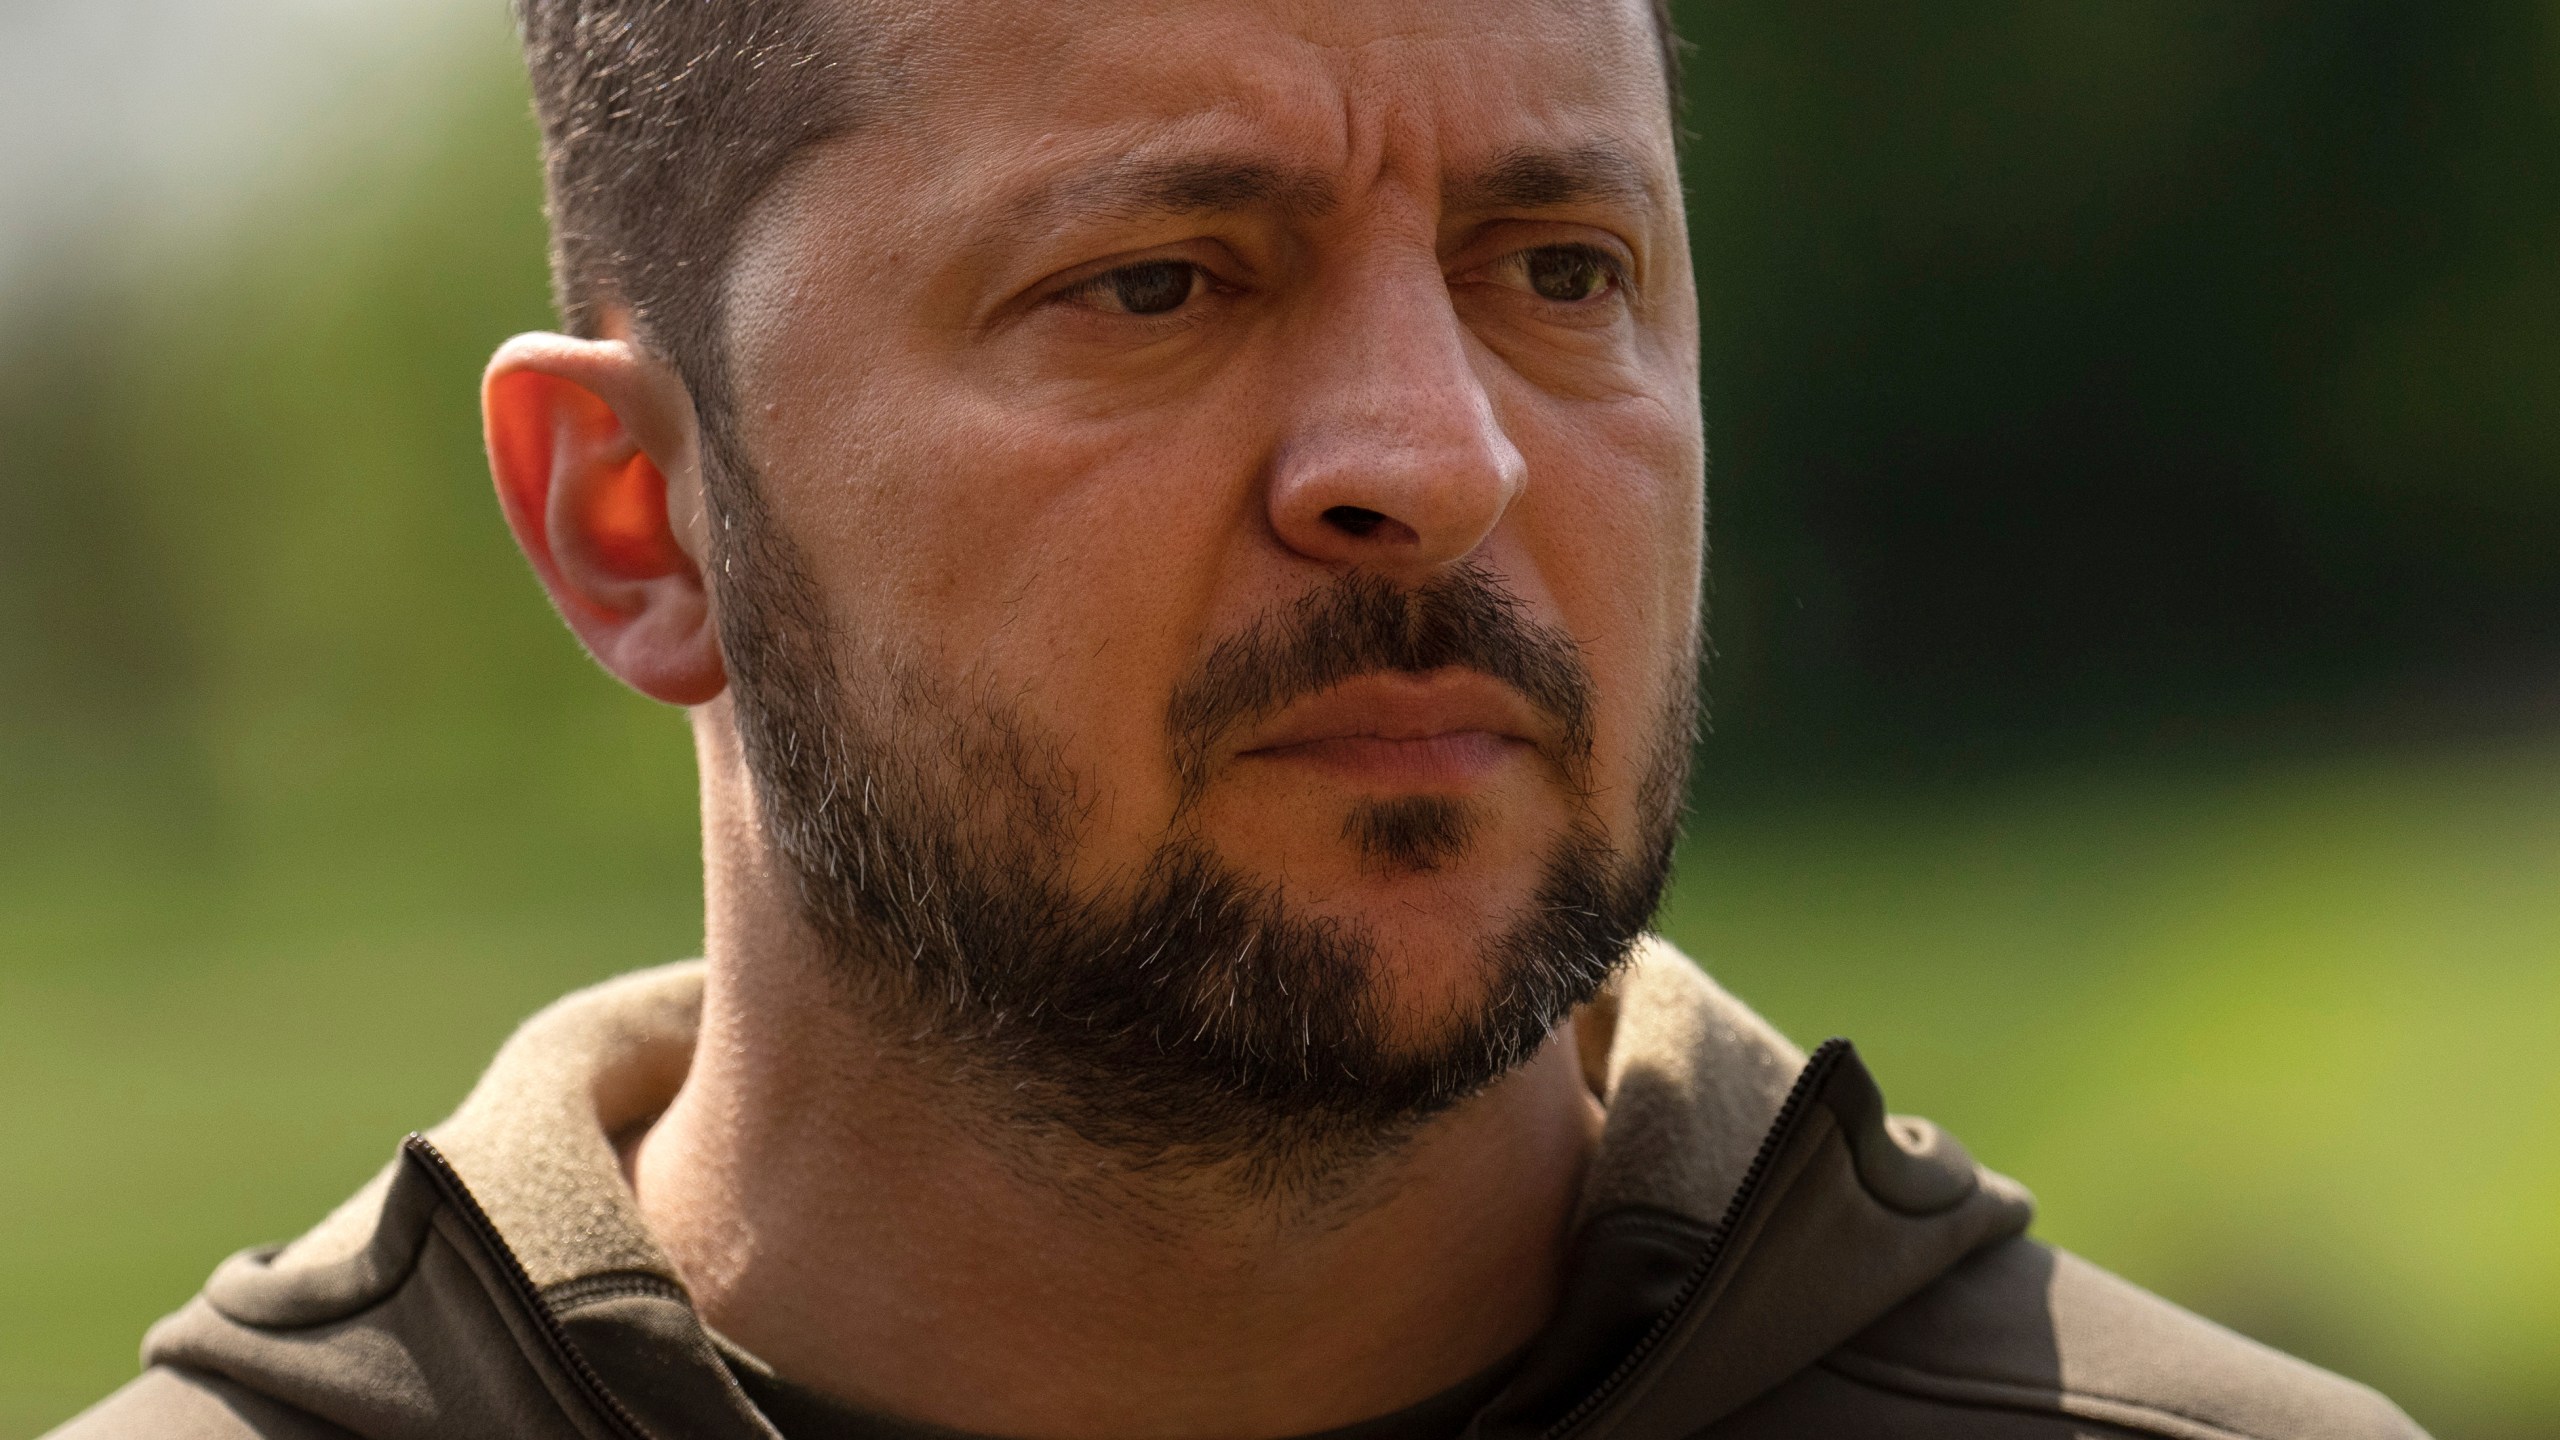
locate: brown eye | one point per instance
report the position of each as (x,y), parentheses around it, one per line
(1566,273)
(1154,288)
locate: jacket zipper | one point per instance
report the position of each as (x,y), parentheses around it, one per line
(1747,1194)
(581,1373)
(1781,1131)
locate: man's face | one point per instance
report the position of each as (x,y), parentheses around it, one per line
(1138,369)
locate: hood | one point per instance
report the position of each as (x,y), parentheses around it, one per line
(1748,1210)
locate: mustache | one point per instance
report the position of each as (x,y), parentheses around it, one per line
(1360,624)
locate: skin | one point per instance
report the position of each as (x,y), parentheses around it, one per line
(996,473)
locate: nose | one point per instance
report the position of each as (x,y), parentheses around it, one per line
(1393,457)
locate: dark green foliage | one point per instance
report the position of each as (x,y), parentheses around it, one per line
(2084,372)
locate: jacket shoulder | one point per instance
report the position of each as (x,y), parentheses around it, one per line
(167,1403)
(2022,1339)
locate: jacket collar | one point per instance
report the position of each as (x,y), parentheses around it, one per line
(1747,1211)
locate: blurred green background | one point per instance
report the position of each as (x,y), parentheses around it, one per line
(2137,492)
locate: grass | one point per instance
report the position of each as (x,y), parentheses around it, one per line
(2275,1042)
(2272,1041)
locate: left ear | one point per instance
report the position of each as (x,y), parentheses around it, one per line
(593,447)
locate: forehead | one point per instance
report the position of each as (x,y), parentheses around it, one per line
(1341,84)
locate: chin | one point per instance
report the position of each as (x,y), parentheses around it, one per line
(1429,987)
(1435,932)
(1442,887)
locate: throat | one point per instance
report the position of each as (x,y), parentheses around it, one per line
(860,1220)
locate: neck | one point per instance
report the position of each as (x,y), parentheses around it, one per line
(849,1212)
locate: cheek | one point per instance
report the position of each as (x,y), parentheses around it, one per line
(1069,565)
(1615,510)
(1612,522)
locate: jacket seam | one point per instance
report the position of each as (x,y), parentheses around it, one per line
(546,1350)
(2141,1415)
(586,1290)
(1663,1227)
(1642,1215)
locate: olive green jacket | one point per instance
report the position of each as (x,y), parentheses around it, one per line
(1761,1252)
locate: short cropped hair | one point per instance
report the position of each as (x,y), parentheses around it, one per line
(663,122)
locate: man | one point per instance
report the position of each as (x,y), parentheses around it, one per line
(1179,526)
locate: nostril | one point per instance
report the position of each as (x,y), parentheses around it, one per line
(1354,521)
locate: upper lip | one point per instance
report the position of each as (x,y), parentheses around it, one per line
(1399,706)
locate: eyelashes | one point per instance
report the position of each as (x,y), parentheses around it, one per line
(1147,289)
(1569,274)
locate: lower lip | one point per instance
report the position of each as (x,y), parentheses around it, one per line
(1437,761)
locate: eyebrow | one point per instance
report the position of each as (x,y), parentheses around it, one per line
(1527,178)
(1538,179)
(1144,189)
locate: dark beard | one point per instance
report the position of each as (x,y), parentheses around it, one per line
(1190,1018)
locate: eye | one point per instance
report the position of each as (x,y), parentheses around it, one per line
(1152,287)
(1568,274)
